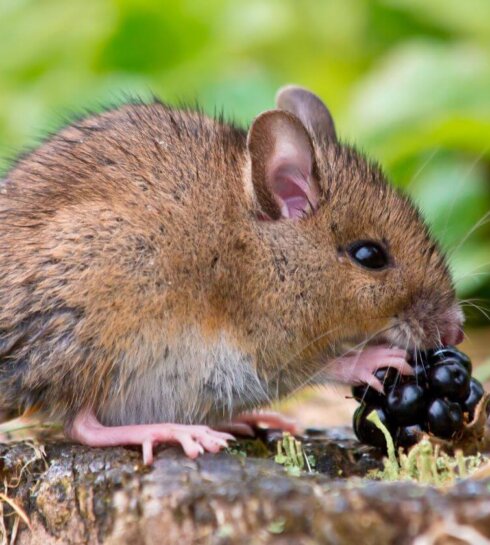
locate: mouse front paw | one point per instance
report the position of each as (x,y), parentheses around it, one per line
(358,367)
(245,423)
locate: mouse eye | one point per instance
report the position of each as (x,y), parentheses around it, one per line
(368,254)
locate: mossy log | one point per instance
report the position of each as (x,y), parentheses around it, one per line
(68,494)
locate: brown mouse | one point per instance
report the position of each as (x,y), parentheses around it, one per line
(162,271)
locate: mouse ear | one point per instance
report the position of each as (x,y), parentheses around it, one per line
(309,109)
(282,159)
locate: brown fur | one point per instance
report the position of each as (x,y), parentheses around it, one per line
(129,229)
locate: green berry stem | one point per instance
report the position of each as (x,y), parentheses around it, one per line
(463,472)
(390,447)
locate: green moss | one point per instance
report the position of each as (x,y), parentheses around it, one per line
(249,447)
(277,526)
(424,463)
(291,455)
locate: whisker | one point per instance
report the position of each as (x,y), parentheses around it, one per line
(418,361)
(422,167)
(409,339)
(460,185)
(474,273)
(469,276)
(314,376)
(360,348)
(471,303)
(439,343)
(307,345)
(479,308)
(481,266)
(482,221)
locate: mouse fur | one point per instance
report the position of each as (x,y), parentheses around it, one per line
(146,270)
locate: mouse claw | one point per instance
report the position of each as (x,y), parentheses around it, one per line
(147,447)
(372,382)
(359,367)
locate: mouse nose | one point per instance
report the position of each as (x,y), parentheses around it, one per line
(453,332)
(454,337)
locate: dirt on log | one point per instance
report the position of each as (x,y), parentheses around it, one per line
(60,493)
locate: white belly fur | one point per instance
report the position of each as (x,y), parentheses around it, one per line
(188,382)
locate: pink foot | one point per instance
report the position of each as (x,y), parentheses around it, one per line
(359,367)
(243,424)
(237,428)
(86,429)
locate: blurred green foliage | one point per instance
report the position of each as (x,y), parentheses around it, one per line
(407,80)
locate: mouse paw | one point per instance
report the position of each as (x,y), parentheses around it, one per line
(359,367)
(244,423)
(270,418)
(195,440)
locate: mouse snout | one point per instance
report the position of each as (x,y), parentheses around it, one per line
(429,323)
(452,329)
(452,332)
(454,337)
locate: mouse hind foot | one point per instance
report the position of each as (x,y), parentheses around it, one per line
(195,440)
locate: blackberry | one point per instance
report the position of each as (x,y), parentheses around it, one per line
(449,379)
(440,398)
(444,418)
(406,404)
(450,352)
(363,393)
(475,394)
(365,430)
(407,435)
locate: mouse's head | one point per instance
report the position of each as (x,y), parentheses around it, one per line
(356,256)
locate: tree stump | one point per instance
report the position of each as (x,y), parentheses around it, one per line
(71,494)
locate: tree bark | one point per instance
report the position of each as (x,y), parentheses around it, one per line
(72,494)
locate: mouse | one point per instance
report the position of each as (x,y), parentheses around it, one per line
(165,276)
